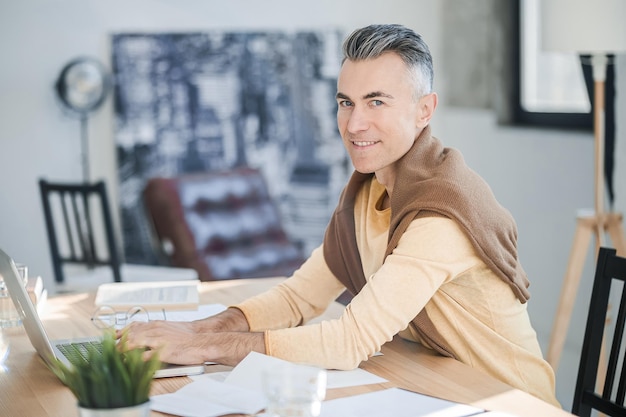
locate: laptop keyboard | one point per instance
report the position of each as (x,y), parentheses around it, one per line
(79,352)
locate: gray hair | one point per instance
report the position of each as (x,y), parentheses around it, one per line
(372,41)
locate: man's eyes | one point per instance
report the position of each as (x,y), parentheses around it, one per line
(348,103)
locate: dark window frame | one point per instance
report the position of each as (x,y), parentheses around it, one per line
(521,116)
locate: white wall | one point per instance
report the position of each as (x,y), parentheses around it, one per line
(542,176)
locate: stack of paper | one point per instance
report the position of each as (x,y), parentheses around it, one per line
(209,398)
(396,402)
(156,295)
(241,392)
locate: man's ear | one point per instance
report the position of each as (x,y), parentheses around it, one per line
(427,105)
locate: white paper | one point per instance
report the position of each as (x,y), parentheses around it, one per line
(219,376)
(242,392)
(209,398)
(150,295)
(397,403)
(202,312)
(335,379)
(248,373)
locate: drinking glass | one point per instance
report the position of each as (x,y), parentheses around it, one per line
(294,390)
(9,316)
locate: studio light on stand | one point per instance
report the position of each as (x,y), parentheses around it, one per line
(596,28)
(82,87)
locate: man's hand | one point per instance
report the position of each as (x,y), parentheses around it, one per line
(223,338)
(229,320)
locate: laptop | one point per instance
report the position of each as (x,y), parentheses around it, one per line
(63,350)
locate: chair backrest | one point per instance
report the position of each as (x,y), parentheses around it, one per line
(223,224)
(81,212)
(607,395)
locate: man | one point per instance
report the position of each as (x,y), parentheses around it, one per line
(417,236)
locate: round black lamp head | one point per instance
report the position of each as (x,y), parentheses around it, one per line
(83,84)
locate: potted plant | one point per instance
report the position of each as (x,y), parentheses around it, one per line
(115,382)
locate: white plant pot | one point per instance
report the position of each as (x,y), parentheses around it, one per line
(141,410)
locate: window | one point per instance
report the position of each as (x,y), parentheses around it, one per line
(551,87)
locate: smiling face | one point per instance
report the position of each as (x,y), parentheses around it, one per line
(378,115)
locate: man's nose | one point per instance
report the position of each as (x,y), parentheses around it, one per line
(358,121)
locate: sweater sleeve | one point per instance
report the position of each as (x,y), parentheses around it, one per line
(392,297)
(298,299)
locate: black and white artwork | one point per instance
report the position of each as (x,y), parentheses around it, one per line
(194,102)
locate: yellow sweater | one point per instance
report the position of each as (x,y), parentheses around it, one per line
(475,311)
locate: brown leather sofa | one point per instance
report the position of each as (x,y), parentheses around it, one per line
(223,224)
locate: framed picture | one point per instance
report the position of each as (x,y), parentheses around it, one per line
(195,102)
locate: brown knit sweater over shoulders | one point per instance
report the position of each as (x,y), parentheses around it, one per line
(431,180)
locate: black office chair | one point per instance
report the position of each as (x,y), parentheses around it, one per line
(610,270)
(79,228)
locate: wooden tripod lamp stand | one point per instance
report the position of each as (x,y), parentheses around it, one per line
(595,28)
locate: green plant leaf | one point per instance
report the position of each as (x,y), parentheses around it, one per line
(115,378)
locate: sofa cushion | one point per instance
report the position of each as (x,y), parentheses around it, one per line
(224,224)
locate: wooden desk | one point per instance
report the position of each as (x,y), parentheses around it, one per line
(29,389)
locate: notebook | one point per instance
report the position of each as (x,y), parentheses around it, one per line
(47,348)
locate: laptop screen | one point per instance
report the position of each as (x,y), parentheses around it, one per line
(37,334)
(25,308)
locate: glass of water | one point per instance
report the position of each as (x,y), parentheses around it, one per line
(294,390)
(9,316)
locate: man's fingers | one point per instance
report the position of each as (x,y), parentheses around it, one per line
(133,336)
(149,353)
